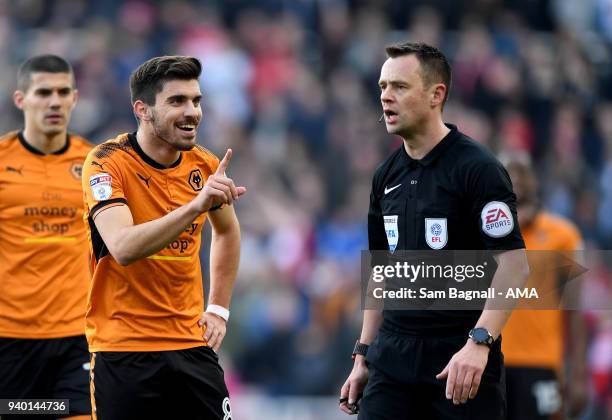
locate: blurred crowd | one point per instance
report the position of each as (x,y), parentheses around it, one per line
(291,86)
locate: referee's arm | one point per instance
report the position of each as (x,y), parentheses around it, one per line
(489,190)
(372,318)
(464,371)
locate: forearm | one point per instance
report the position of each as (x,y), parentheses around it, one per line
(224,260)
(133,242)
(372,320)
(577,347)
(512,271)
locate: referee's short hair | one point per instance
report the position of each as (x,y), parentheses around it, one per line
(149,78)
(47,63)
(434,65)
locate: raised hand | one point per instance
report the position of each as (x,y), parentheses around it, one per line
(219,189)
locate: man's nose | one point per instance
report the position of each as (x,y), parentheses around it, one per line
(191,110)
(55,100)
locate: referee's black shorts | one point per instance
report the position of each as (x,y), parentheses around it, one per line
(178,384)
(46,368)
(403,385)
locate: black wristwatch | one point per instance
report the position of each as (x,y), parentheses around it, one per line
(360,348)
(481,336)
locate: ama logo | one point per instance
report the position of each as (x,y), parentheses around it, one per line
(497,219)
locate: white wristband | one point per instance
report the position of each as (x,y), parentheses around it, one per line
(218,310)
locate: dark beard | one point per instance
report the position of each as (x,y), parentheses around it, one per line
(164,134)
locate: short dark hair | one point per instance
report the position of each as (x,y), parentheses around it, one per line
(148,79)
(434,65)
(47,63)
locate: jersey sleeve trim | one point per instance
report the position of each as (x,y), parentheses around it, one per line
(104,204)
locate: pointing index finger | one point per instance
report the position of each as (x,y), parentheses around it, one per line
(224,163)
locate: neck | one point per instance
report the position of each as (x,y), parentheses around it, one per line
(45,143)
(156,147)
(419,143)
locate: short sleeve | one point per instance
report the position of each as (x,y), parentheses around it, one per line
(573,239)
(102,184)
(493,206)
(377,239)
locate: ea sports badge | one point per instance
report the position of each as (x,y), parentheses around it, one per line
(101,186)
(436,233)
(497,219)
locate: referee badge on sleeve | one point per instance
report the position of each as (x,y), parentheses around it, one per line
(436,233)
(496,219)
(392,231)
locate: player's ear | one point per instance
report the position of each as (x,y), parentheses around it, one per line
(75,97)
(18,97)
(437,95)
(142,111)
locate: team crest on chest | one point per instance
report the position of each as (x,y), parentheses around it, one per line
(196,180)
(76,170)
(436,233)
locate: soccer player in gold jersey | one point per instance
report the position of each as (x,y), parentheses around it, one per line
(44,272)
(148,194)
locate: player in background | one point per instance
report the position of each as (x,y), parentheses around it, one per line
(44,271)
(148,194)
(533,343)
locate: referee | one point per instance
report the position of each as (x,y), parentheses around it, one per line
(438,191)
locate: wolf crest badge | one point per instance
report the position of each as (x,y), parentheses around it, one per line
(436,233)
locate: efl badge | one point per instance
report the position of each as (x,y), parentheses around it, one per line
(392,231)
(436,233)
(101,186)
(497,219)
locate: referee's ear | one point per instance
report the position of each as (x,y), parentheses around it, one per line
(438,94)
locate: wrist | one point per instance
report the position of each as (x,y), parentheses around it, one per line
(218,310)
(481,337)
(360,360)
(193,209)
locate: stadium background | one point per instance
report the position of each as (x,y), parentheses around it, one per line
(292,87)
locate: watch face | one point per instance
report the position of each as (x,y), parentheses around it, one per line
(480,335)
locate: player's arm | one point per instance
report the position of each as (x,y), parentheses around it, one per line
(575,384)
(128,242)
(224,259)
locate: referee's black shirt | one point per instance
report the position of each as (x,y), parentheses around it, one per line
(458,197)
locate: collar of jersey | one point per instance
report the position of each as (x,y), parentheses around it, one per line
(34,150)
(437,151)
(147,158)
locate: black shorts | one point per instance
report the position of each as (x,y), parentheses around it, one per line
(46,368)
(178,384)
(403,385)
(533,394)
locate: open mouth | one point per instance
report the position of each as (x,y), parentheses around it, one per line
(187,128)
(390,116)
